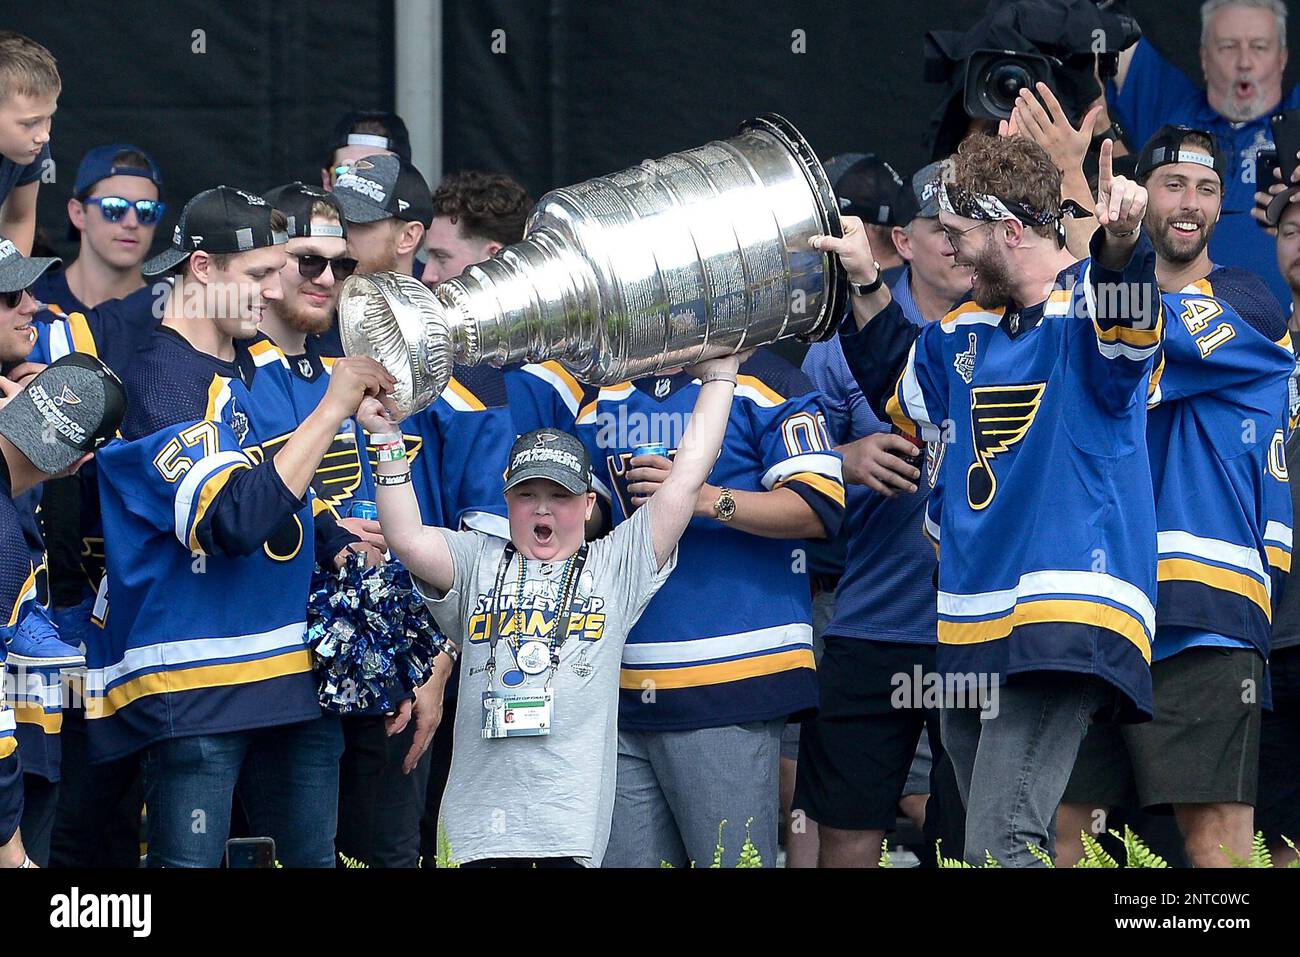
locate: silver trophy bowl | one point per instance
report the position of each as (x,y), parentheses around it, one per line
(699,254)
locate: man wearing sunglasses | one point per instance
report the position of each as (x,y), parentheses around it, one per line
(316,264)
(115,208)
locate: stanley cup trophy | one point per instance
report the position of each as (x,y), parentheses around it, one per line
(696,255)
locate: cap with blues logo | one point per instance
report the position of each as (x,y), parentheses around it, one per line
(72,407)
(220,220)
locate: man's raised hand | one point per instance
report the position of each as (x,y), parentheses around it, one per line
(1121,203)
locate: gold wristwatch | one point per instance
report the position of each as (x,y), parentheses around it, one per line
(724,509)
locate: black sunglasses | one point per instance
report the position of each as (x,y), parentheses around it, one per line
(311,266)
(12,298)
(147,211)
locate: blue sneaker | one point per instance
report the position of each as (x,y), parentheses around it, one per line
(36,644)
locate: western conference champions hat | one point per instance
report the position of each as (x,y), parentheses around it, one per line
(925,190)
(18,271)
(295,200)
(384,186)
(219,220)
(871,189)
(72,407)
(550,454)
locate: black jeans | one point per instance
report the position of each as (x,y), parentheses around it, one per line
(97,823)
(439,768)
(379,806)
(39,799)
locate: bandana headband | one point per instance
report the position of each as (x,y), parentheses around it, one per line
(959,201)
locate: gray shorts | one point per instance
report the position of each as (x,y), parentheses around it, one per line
(1202,746)
(676,787)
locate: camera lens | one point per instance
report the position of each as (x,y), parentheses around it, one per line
(1005,81)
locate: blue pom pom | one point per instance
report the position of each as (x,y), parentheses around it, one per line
(372,638)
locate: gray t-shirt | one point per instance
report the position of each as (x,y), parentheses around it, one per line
(550,795)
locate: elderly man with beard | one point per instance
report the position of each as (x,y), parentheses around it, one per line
(1215,435)
(1038,388)
(1243,57)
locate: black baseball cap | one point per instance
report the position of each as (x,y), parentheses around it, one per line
(219,220)
(395,138)
(384,187)
(925,190)
(1167,147)
(72,407)
(295,200)
(550,454)
(870,189)
(18,271)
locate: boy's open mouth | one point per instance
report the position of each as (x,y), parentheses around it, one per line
(543,531)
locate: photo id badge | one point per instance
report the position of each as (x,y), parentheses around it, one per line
(520,714)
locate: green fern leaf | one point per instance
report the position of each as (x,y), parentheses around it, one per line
(885,860)
(1260,856)
(946,861)
(1094,855)
(1041,854)
(717,851)
(749,856)
(989,859)
(1136,853)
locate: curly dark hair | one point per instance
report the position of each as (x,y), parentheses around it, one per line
(1014,168)
(488,206)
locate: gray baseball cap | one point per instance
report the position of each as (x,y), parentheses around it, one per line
(925,187)
(550,454)
(384,187)
(72,407)
(18,271)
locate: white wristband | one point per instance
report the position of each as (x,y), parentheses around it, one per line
(384,438)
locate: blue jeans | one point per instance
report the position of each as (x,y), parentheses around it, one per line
(1012,769)
(287,778)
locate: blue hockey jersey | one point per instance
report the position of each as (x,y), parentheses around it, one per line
(18,602)
(1047,517)
(728,638)
(459,447)
(1216,435)
(209,556)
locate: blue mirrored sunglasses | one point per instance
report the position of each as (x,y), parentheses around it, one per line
(147,211)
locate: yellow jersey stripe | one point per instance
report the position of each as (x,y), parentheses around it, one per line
(469,398)
(82,339)
(829,487)
(1224,579)
(26,712)
(694,676)
(1278,557)
(1063,610)
(292,662)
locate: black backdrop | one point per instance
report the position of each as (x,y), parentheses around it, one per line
(582,88)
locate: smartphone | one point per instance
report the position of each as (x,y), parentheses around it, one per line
(1265,161)
(1286,137)
(250,852)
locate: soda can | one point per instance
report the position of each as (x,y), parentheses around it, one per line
(650,450)
(363,509)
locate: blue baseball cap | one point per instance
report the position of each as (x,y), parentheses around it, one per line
(98,164)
